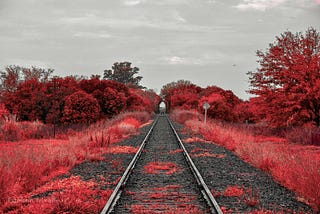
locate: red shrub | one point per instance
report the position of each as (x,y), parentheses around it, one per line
(10,131)
(111,101)
(81,108)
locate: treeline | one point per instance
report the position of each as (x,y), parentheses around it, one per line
(286,87)
(33,94)
(224,104)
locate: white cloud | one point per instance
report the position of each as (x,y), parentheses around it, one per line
(260,5)
(175,60)
(91,35)
(132,2)
(204,59)
(178,17)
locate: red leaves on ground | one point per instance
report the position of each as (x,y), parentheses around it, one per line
(122,150)
(234,191)
(205,153)
(194,139)
(167,168)
(167,199)
(61,196)
(173,152)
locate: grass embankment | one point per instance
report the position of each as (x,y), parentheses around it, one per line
(27,167)
(295,166)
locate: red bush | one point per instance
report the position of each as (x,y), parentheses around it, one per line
(81,108)
(111,102)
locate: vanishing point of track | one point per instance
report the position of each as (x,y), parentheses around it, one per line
(161,192)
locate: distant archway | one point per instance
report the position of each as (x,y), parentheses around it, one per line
(163,106)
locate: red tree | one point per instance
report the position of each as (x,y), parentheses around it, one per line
(219,108)
(173,93)
(57,91)
(111,102)
(29,101)
(81,107)
(287,83)
(143,100)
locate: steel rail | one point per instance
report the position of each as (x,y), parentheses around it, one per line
(215,208)
(118,189)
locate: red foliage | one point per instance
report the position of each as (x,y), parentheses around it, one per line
(80,107)
(111,101)
(141,100)
(184,100)
(4,113)
(26,166)
(288,82)
(173,93)
(224,104)
(137,102)
(33,99)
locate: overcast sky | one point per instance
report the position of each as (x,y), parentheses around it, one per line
(208,42)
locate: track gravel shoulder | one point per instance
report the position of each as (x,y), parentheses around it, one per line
(253,190)
(113,165)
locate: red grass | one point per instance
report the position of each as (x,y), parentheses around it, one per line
(167,168)
(27,165)
(294,166)
(62,196)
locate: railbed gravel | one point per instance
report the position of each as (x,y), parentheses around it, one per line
(220,172)
(174,192)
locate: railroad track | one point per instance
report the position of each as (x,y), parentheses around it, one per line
(161,178)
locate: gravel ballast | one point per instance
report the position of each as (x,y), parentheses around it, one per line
(219,167)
